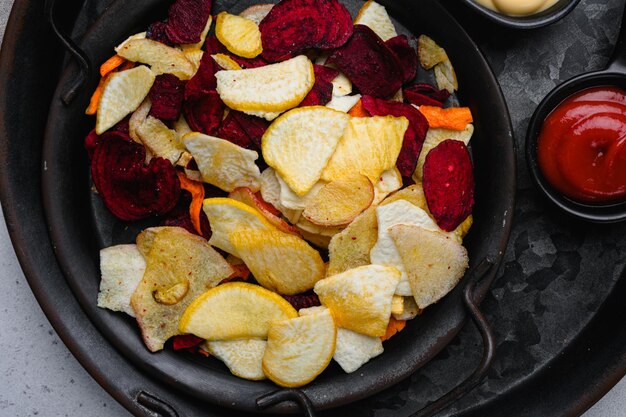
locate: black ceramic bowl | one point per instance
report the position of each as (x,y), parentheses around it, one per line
(546,17)
(79,224)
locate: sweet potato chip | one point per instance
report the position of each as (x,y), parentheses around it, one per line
(187,19)
(295,25)
(454,118)
(166,95)
(406,55)
(369,63)
(449,184)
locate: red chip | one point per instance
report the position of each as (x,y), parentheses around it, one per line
(179,217)
(449,183)
(414,136)
(187,19)
(246,63)
(406,54)
(295,25)
(204,80)
(92,140)
(369,63)
(204,114)
(130,189)
(303,300)
(322,91)
(233,132)
(425,94)
(166,95)
(185,341)
(157,31)
(213,46)
(243,129)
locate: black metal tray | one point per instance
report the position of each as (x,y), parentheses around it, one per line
(558,330)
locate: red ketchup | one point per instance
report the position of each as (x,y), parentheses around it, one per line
(582,146)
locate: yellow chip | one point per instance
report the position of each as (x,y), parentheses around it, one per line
(270,191)
(433,138)
(179,267)
(434,262)
(137,118)
(223,163)
(195,57)
(339,202)
(369,146)
(226,62)
(272,88)
(343,103)
(446,77)
(239,35)
(299,349)
(353,349)
(404,308)
(360,298)
(305,225)
(257,12)
(280,262)
(160,140)
(376,18)
(242,357)
(342,86)
(162,59)
(388,182)
(300,143)
(226,216)
(236,310)
(429,53)
(123,92)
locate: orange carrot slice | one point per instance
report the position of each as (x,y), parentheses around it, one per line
(453,118)
(110,64)
(358,111)
(95,98)
(197,195)
(393,327)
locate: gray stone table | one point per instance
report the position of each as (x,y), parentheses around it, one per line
(40,377)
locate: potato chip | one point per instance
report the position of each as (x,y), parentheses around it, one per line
(123,92)
(429,53)
(267,90)
(179,267)
(360,298)
(299,349)
(239,35)
(343,103)
(353,349)
(235,310)
(222,163)
(257,12)
(300,143)
(389,181)
(351,247)
(279,261)
(434,262)
(227,215)
(121,269)
(340,201)
(369,146)
(161,58)
(242,357)
(433,138)
(376,18)
(160,140)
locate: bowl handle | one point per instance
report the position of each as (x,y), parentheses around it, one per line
(78,54)
(479,373)
(617,62)
(282,395)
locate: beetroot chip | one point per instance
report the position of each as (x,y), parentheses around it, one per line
(157,32)
(204,80)
(414,136)
(185,341)
(407,56)
(179,217)
(425,94)
(295,25)
(187,19)
(303,300)
(322,91)
(130,189)
(213,46)
(369,63)
(254,126)
(204,114)
(246,63)
(166,95)
(449,183)
(92,140)
(243,129)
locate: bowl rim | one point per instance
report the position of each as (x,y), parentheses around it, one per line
(534,21)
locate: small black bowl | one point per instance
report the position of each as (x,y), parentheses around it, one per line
(546,17)
(614,75)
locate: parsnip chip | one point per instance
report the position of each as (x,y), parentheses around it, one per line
(279,261)
(304,224)
(194,56)
(299,144)
(433,138)
(257,12)
(342,86)
(223,163)
(434,262)
(299,349)
(179,267)
(369,146)
(270,191)
(122,93)
(429,53)
(242,357)
(140,35)
(137,118)
(360,298)
(351,247)
(162,59)
(227,215)
(353,349)
(446,77)
(291,200)
(272,88)
(239,35)
(121,269)
(160,140)
(389,181)
(343,103)
(235,310)
(340,201)
(226,62)
(376,17)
